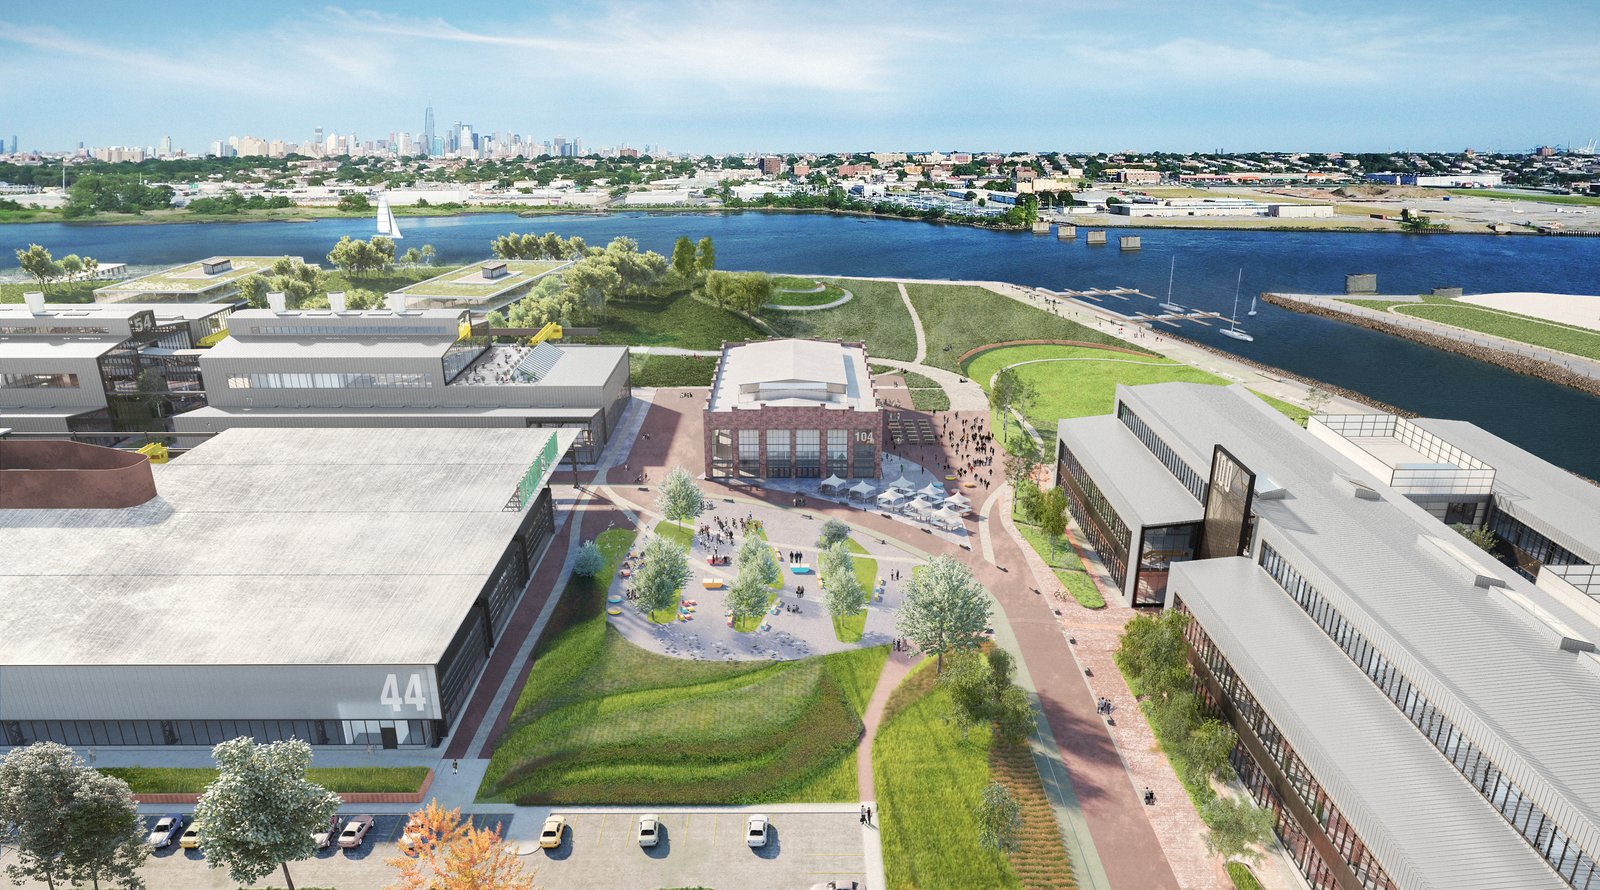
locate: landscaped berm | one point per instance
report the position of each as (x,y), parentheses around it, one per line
(602,721)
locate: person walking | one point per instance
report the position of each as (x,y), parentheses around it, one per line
(455,767)
(862,815)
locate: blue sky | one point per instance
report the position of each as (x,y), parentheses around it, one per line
(758,75)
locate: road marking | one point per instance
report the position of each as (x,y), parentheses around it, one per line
(600,831)
(713,832)
(688,820)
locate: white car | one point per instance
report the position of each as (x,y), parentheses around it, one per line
(167,830)
(325,838)
(756,834)
(649,831)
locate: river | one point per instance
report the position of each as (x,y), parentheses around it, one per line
(1560,424)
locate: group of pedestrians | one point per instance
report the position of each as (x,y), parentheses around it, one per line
(974,447)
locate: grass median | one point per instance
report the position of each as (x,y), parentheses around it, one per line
(602,721)
(345,780)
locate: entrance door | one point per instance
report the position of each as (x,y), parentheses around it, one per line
(391,741)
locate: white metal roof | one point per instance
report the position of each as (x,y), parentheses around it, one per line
(1426,825)
(269,546)
(798,373)
(1137,485)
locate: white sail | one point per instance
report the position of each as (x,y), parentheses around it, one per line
(394,225)
(385,218)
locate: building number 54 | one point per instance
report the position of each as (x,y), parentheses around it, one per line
(391,693)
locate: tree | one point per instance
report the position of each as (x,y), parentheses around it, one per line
(290,276)
(968,685)
(945,609)
(1013,715)
(834,558)
(1208,745)
(999,819)
(354,203)
(680,500)
(844,595)
(71,266)
(663,570)
(1009,392)
(72,823)
(833,531)
(1027,498)
(589,560)
(1022,459)
(749,595)
(260,812)
(1482,536)
(449,853)
(1154,655)
(108,836)
(37,262)
(706,260)
(1238,828)
(1052,513)
(1317,399)
(683,262)
(594,279)
(755,555)
(428,253)
(362,257)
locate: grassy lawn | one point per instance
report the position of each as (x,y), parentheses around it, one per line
(1510,325)
(876,315)
(683,536)
(680,321)
(959,317)
(57,292)
(601,720)
(1241,875)
(378,282)
(791,291)
(1086,383)
(1040,860)
(1517,196)
(749,624)
(349,780)
(1066,564)
(1380,305)
(466,282)
(930,780)
(646,369)
(926,393)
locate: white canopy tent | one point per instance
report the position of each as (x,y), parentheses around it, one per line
(862,489)
(892,497)
(832,482)
(919,505)
(958,501)
(903,484)
(947,516)
(933,492)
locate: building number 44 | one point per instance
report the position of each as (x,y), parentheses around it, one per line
(391,693)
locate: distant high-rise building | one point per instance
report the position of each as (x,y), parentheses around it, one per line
(13,143)
(166,147)
(427,129)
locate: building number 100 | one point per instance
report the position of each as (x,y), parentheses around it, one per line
(391,693)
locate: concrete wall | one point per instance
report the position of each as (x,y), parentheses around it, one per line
(63,475)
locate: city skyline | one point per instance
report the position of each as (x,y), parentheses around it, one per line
(719,78)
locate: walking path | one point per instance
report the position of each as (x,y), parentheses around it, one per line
(785,307)
(916,322)
(895,669)
(963,393)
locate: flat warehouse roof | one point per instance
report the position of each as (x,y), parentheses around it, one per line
(268,546)
(1141,489)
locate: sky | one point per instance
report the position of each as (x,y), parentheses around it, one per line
(755,75)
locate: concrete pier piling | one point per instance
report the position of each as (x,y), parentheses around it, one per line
(1041,227)
(1361,284)
(1066,232)
(1094,237)
(1128,242)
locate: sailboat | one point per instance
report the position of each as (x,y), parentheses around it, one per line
(1169,305)
(1232,330)
(387,224)
(1252,306)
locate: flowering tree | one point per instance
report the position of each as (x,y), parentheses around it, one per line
(261,811)
(680,499)
(448,853)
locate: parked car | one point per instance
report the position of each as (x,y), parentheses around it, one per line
(191,837)
(839,885)
(167,830)
(649,831)
(324,838)
(355,831)
(756,834)
(555,827)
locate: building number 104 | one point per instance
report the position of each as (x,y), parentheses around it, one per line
(391,693)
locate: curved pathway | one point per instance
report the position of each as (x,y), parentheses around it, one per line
(784,307)
(916,322)
(964,394)
(1040,361)
(895,669)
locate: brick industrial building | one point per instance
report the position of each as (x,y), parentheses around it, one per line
(792,408)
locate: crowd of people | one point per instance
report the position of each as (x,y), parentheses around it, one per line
(973,445)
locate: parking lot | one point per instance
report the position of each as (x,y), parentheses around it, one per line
(703,850)
(365,868)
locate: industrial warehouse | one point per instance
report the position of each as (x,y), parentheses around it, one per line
(314,584)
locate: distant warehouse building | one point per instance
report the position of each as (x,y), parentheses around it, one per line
(1445,181)
(314,584)
(418,367)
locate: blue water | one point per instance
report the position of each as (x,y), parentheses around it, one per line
(1558,423)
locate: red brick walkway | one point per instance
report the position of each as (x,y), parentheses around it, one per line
(895,669)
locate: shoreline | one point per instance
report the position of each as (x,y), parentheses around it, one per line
(1530,366)
(306,215)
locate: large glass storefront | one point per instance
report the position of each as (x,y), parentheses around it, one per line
(1159,547)
(1107,533)
(791,453)
(152,733)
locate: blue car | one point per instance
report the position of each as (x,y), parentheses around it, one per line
(166,830)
